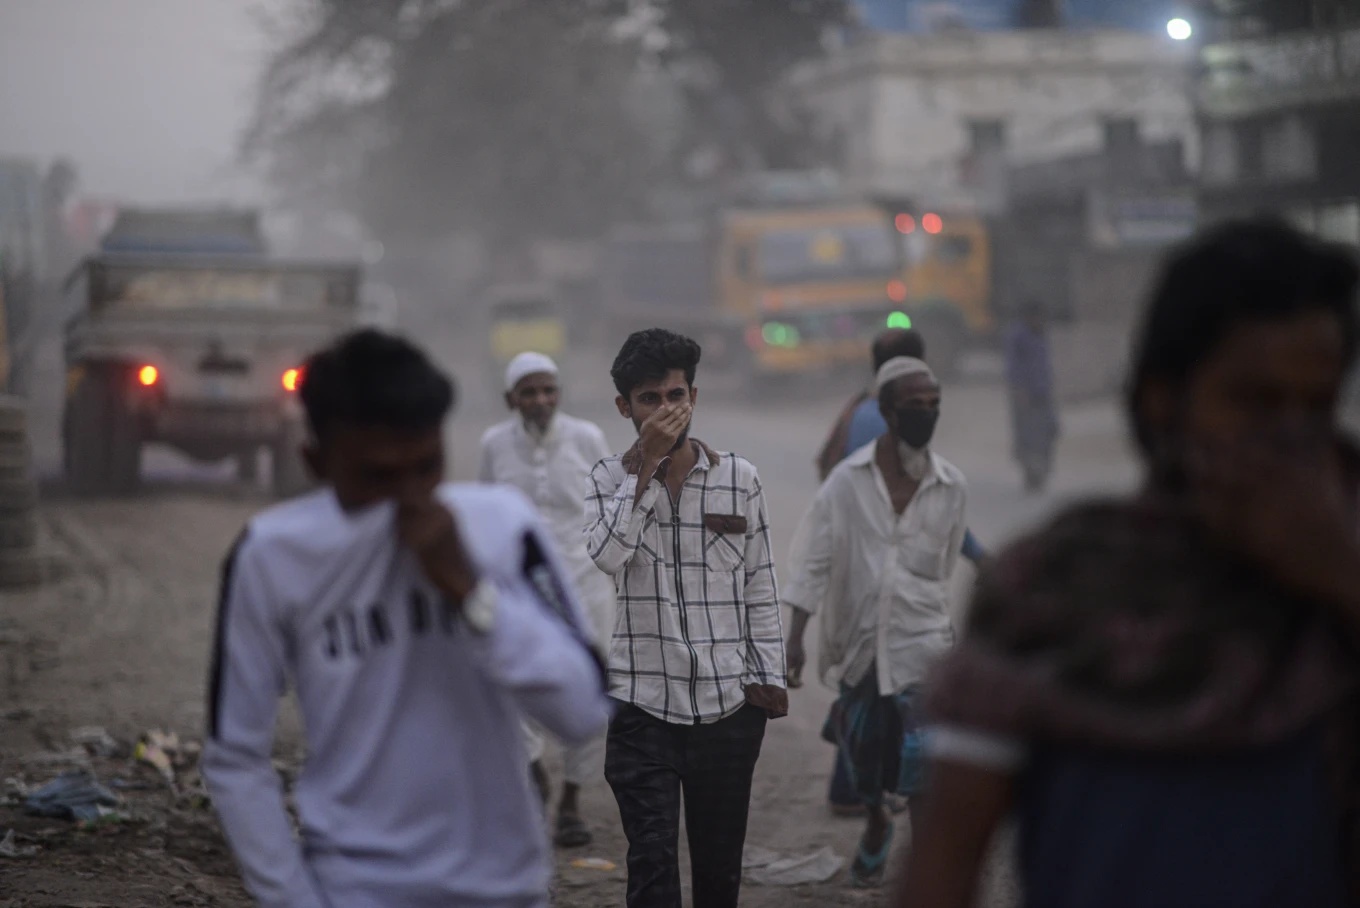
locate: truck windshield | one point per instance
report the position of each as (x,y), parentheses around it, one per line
(827,254)
(151,288)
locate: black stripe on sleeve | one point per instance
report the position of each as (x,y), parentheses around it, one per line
(538,570)
(220,638)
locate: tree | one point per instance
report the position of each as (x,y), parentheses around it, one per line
(729,57)
(513,117)
(501,115)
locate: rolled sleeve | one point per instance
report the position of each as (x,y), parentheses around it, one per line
(613,522)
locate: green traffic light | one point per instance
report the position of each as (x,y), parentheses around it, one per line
(899,320)
(777,334)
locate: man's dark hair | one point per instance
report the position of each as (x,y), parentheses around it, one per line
(897,342)
(1243,271)
(371,379)
(649,355)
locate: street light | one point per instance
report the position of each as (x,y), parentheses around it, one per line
(1180,29)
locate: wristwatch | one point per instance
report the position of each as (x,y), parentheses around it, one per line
(479,607)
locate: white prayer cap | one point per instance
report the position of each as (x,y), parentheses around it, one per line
(901,367)
(527,364)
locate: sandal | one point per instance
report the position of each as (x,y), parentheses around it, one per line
(572,832)
(867,870)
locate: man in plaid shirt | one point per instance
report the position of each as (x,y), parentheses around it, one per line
(697,658)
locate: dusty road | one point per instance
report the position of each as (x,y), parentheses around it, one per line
(123,641)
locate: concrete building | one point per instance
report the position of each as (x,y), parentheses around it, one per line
(1280,116)
(916,15)
(940,116)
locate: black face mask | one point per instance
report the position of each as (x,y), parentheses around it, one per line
(916,426)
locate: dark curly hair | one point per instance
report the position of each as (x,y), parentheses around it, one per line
(649,355)
(368,378)
(1256,270)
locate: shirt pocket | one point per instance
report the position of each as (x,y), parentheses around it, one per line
(724,543)
(926,550)
(926,555)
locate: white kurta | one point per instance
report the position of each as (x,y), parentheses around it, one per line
(878,579)
(554,472)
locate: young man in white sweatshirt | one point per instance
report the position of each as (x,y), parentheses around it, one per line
(418,623)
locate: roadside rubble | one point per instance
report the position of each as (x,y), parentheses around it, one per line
(97,742)
(9,847)
(95,811)
(81,793)
(763,867)
(75,795)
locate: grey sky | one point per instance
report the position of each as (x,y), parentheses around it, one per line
(147,96)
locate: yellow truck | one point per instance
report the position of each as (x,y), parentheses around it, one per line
(950,276)
(769,291)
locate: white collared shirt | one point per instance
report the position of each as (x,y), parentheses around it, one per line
(554,470)
(879,580)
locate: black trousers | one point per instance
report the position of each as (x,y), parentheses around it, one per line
(649,763)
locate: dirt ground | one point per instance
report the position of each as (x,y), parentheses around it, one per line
(121,641)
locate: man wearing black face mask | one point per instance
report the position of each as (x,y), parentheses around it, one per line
(874,556)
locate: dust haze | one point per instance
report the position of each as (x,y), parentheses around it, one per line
(782,182)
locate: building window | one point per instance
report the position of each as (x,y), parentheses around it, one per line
(1251,149)
(986,136)
(1122,133)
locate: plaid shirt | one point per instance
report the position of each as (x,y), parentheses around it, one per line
(698,610)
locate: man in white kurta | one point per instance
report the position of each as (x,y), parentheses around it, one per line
(873,558)
(548,455)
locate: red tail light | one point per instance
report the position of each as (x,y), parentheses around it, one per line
(292,380)
(148,376)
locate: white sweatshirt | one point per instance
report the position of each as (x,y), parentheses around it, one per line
(414,792)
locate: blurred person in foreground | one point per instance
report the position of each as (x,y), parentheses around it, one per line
(417,623)
(862,423)
(697,659)
(548,456)
(1163,687)
(1034,411)
(877,550)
